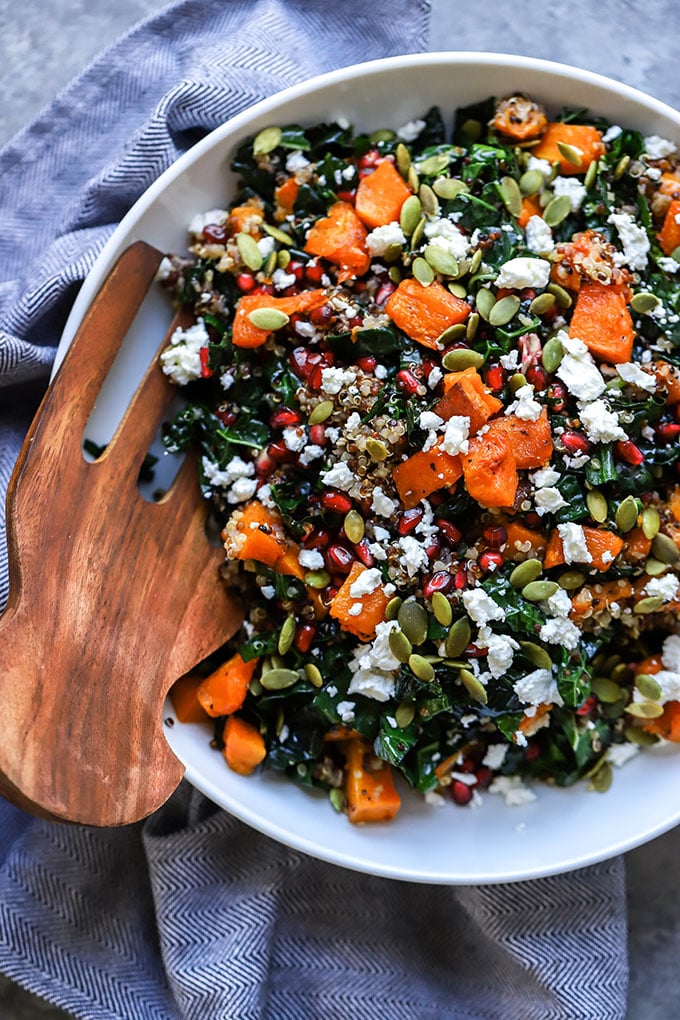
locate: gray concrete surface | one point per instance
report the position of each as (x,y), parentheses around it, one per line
(43,45)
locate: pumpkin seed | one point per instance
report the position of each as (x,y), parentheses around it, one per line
(283,259)
(313,674)
(536,654)
(266,141)
(472,326)
(392,608)
(504,310)
(665,549)
(591,174)
(537,591)
(621,673)
(377,450)
(441,607)
(429,200)
(531,182)
(449,188)
(394,273)
(511,195)
(317,579)
(392,252)
(441,260)
(571,153)
(404,714)
(621,167)
(643,302)
(651,522)
(270,319)
(458,290)
(421,668)
(602,779)
(403,157)
(648,686)
(286,635)
(423,272)
(635,735)
(597,506)
(412,619)
(249,252)
(400,646)
(539,306)
(650,604)
(411,211)
(433,164)
(473,686)
(606,690)
(485,302)
(462,358)
(644,709)
(526,572)
(354,526)
(675,254)
(255,687)
(271,264)
(382,135)
(278,235)
(516,382)
(452,333)
(562,296)
(412,178)
(626,514)
(279,679)
(655,568)
(337,798)
(475,261)
(557,209)
(571,579)
(610,663)
(321,412)
(417,235)
(458,637)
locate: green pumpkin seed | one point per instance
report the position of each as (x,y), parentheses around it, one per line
(400,646)
(648,686)
(504,310)
(433,164)
(411,211)
(644,302)
(266,141)
(392,252)
(317,579)
(516,382)
(634,735)
(651,522)
(655,568)
(458,290)
(377,450)
(394,273)
(665,549)
(539,306)
(602,779)
(392,608)
(412,178)
(337,798)
(249,252)
(531,182)
(423,272)
(591,174)
(621,167)
(429,200)
(536,654)
(313,674)
(452,333)
(461,358)
(473,686)
(278,235)
(279,679)
(472,326)
(570,153)
(270,319)
(412,619)
(321,412)
(621,673)
(570,580)
(553,352)
(441,260)
(626,514)
(562,296)
(458,637)
(511,195)
(283,259)
(255,687)
(675,254)
(271,264)
(403,157)
(286,635)
(417,235)
(475,261)
(644,709)
(449,188)
(354,526)
(537,591)
(421,668)
(610,664)
(557,209)
(526,572)
(606,690)
(382,135)
(441,607)
(485,302)
(597,506)
(405,714)
(650,604)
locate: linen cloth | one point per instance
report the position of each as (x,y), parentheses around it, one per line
(192,914)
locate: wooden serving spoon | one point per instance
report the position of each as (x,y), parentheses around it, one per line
(112,598)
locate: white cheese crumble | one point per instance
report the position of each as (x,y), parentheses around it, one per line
(433,379)
(382,504)
(333,379)
(578,370)
(510,361)
(657,147)
(339,476)
(572,188)
(669,682)
(380,239)
(611,133)
(545,476)
(202,220)
(294,438)
(538,688)
(281,279)
(430,420)
(456,435)
(670,656)
(548,500)
(346,711)
(560,632)
(234,471)
(243,489)
(500,650)
(481,608)
(619,754)
(574,546)
(637,376)
(311,559)
(296,161)
(413,555)
(523,272)
(373,666)
(524,406)
(266,246)
(181,361)
(367,582)
(409,132)
(558,604)
(668,264)
(513,790)
(538,235)
(544,166)
(495,755)
(601,424)
(633,239)
(445,234)
(666,586)
(310,453)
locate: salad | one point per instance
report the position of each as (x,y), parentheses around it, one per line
(434,383)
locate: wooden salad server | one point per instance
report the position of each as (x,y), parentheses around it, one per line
(112,598)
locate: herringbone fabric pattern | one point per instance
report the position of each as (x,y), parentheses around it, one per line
(193,916)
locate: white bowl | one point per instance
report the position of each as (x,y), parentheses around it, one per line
(562,829)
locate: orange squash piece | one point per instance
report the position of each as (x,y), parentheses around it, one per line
(285,196)
(603,546)
(224,690)
(602,321)
(584,137)
(669,378)
(371,794)
(531,441)
(423,313)
(523,543)
(340,237)
(244,747)
(600,596)
(669,235)
(530,207)
(245,334)
(668,724)
(247,218)
(465,394)
(183,696)
(380,196)
(490,471)
(372,605)
(652,664)
(255,533)
(424,473)
(636,545)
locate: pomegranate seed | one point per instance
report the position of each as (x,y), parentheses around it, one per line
(347,196)
(317,435)
(575,442)
(290,292)
(356,322)
(215,233)
(449,531)
(467,765)
(314,272)
(304,637)
(283,417)
(628,451)
(297,269)
(531,752)
(264,464)
(495,536)
(461,793)
(278,452)
(588,705)
(321,316)
(407,382)
(364,553)
(226,416)
(409,519)
(338,502)
(668,431)
(441,581)
(245,282)
(318,538)
(369,159)
(339,559)
(367,363)
(433,548)
(384,292)
(206,370)
(538,377)
(263,288)
(484,777)
(490,561)
(475,652)
(460,579)
(494,377)
(557,395)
